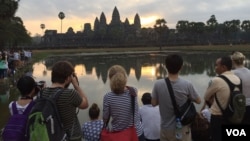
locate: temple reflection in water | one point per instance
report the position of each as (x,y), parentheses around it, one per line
(194,63)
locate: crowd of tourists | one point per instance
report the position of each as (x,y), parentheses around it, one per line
(11,60)
(155,120)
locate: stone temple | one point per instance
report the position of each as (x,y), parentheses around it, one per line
(114,33)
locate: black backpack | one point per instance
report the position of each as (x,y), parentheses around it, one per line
(44,120)
(236,107)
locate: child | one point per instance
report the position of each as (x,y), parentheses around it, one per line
(92,129)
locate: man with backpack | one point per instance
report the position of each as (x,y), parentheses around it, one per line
(15,129)
(66,101)
(219,89)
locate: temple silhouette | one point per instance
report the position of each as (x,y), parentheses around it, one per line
(118,33)
(103,34)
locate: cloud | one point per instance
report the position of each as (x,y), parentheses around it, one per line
(78,12)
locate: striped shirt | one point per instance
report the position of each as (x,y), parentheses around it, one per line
(67,103)
(119,107)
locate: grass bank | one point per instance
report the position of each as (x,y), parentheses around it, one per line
(40,54)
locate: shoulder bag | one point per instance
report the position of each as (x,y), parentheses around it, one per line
(186,112)
(128,134)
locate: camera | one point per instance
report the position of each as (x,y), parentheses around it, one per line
(39,85)
(74,75)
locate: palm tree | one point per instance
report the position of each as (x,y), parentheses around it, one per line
(212,28)
(42,26)
(61,16)
(160,27)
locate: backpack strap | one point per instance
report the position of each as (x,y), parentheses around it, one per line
(231,86)
(27,109)
(171,92)
(14,108)
(57,94)
(133,94)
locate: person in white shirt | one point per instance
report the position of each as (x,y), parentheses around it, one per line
(151,119)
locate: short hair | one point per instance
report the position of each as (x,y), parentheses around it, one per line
(94,111)
(238,58)
(226,61)
(118,79)
(146,98)
(173,63)
(25,85)
(60,71)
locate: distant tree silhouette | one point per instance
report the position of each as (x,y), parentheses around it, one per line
(61,16)
(12,30)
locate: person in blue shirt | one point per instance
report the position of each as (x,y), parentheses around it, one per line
(91,129)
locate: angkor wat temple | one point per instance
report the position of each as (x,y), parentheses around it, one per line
(103,34)
(120,34)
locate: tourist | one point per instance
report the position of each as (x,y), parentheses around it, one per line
(183,90)
(219,87)
(91,129)
(62,75)
(244,74)
(27,88)
(117,103)
(150,117)
(3,65)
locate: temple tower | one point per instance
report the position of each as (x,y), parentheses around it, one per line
(115,17)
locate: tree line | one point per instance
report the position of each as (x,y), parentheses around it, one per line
(211,32)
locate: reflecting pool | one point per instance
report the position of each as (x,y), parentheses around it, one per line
(143,70)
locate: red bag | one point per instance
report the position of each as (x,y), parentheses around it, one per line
(128,134)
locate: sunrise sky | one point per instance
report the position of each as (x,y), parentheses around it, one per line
(78,12)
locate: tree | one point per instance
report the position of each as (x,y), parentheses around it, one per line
(245,25)
(212,26)
(160,27)
(42,27)
(12,30)
(182,26)
(197,29)
(8,9)
(212,22)
(61,16)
